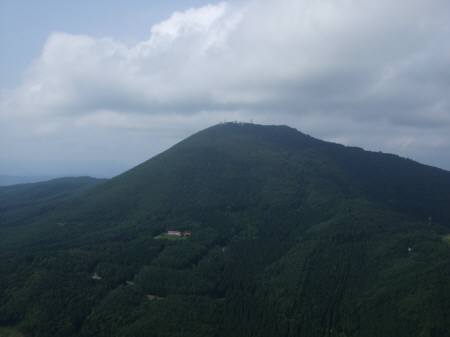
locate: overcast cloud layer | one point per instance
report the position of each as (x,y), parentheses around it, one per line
(375,74)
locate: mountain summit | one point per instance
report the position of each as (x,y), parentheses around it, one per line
(239,165)
(239,230)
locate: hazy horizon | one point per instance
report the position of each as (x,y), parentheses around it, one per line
(43,177)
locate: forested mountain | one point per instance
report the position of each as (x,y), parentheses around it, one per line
(21,195)
(20,204)
(288,236)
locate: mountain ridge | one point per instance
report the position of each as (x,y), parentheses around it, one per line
(291,140)
(291,236)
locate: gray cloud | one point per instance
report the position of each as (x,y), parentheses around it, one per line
(373,74)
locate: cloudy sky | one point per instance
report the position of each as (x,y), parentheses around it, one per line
(96,89)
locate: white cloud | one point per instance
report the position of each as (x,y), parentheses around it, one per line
(374,74)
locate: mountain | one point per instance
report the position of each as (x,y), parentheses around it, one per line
(290,236)
(7,180)
(16,200)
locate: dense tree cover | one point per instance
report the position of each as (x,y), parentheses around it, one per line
(291,236)
(24,202)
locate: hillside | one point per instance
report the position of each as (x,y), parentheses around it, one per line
(291,236)
(7,180)
(22,202)
(21,195)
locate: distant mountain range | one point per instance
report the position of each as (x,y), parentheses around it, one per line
(7,180)
(288,236)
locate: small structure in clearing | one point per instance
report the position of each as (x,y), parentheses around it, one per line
(179,233)
(96,277)
(151,297)
(174,234)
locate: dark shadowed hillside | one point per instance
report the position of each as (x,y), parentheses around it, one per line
(20,203)
(290,236)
